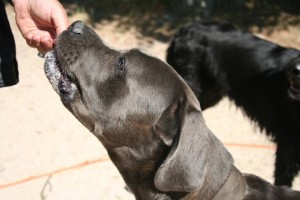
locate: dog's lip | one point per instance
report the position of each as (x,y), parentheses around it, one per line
(57,76)
(51,69)
(294,91)
(294,87)
(294,95)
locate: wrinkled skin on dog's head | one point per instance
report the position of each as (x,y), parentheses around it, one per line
(143,113)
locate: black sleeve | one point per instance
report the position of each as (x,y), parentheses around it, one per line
(9,74)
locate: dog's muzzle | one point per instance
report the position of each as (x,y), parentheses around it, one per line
(59,80)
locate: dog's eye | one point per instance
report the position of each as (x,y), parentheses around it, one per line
(121,65)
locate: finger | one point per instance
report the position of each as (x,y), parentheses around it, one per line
(28,37)
(60,20)
(42,44)
(41,41)
(29,42)
(46,42)
(36,40)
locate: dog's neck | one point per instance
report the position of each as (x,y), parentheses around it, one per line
(138,173)
(233,189)
(138,176)
(139,156)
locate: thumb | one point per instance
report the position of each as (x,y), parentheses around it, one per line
(60,21)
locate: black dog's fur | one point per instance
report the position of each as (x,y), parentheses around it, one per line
(262,78)
(149,121)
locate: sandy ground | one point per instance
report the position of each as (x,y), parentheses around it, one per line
(45,153)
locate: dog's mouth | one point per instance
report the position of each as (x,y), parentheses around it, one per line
(294,91)
(293,76)
(59,78)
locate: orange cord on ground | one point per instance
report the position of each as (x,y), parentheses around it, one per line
(31,178)
(86,163)
(256,146)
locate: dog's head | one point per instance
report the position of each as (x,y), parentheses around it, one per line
(191,54)
(293,76)
(140,109)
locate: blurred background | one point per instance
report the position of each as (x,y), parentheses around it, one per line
(160,18)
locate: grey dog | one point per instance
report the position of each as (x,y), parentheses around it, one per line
(149,121)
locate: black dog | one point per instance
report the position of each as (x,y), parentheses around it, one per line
(262,78)
(149,121)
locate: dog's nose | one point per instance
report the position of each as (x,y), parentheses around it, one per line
(77,27)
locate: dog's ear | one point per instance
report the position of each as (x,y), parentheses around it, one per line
(196,156)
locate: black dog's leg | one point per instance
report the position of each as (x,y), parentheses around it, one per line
(287,163)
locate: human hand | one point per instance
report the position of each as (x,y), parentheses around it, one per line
(40,21)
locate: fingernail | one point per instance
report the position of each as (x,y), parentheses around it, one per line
(41,55)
